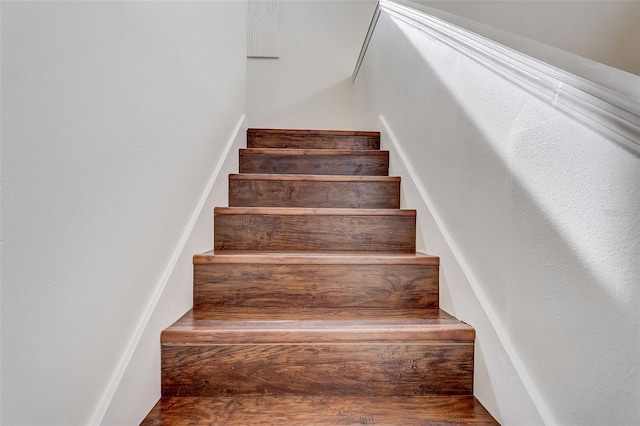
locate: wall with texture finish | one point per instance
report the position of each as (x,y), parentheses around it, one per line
(309,86)
(138,387)
(605,31)
(538,222)
(114,115)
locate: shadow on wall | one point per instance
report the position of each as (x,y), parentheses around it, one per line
(543,211)
(336,102)
(331,107)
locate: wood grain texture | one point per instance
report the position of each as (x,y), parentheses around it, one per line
(316,139)
(299,313)
(313,307)
(272,229)
(297,325)
(319,410)
(317,369)
(316,258)
(300,211)
(314,191)
(314,162)
(312,285)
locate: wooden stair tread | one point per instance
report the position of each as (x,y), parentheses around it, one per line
(434,315)
(426,316)
(322,178)
(301,211)
(314,152)
(268,326)
(318,410)
(307,132)
(329,258)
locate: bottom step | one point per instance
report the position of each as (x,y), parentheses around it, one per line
(308,410)
(298,353)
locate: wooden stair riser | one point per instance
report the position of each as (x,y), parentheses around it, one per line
(307,285)
(316,139)
(314,191)
(314,232)
(314,162)
(318,369)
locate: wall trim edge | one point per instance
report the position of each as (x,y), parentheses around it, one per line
(603,110)
(112,386)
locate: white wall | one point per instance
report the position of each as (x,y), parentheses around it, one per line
(606,31)
(114,115)
(537,221)
(138,376)
(309,86)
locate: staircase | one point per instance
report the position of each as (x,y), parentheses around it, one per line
(314,307)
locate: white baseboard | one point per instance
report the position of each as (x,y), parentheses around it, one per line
(148,311)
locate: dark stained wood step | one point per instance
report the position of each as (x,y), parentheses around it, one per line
(299,313)
(316,257)
(298,325)
(273,228)
(403,281)
(263,190)
(317,357)
(314,162)
(319,410)
(314,307)
(316,139)
(374,369)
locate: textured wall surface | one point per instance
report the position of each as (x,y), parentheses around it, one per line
(606,31)
(538,222)
(114,115)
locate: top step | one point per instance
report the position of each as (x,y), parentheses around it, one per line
(312,139)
